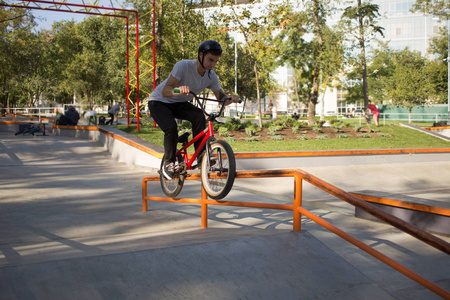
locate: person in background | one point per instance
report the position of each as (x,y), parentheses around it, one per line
(70,117)
(113,112)
(91,115)
(375,112)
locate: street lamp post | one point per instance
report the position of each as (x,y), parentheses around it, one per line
(448,71)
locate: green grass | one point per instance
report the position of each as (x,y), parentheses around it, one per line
(400,137)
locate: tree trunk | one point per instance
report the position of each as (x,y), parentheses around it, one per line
(315,93)
(314,98)
(363,66)
(158,44)
(258,97)
(296,85)
(7,104)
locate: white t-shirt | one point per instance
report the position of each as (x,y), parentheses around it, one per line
(186,72)
(90,113)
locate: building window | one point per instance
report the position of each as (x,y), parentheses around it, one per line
(398,31)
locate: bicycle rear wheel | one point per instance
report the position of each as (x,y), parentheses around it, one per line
(172,187)
(218,173)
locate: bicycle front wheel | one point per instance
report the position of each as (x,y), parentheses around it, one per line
(219,170)
(172,187)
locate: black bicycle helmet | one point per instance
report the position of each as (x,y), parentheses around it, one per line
(209,46)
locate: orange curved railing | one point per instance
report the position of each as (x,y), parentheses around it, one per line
(298,210)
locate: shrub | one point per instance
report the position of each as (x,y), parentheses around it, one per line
(364,135)
(301,137)
(322,137)
(267,124)
(232,124)
(180,132)
(230,139)
(223,131)
(277,137)
(251,131)
(317,128)
(320,123)
(301,123)
(357,128)
(338,127)
(284,121)
(273,130)
(383,134)
(216,126)
(185,124)
(251,139)
(342,136)
(247,123)
(295,129)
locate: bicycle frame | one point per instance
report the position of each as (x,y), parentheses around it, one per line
(207,134)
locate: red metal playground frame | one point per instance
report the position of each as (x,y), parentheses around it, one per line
(70,8)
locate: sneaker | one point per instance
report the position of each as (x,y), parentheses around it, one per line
(169,170)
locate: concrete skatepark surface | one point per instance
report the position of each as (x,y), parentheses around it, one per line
(72,227)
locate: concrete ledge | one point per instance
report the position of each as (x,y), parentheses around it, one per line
(123,147)
(131,150)
(9,126)
(424,214)
(427,131)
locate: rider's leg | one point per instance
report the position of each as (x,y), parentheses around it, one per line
(163,115)
(111,120)
(187,111)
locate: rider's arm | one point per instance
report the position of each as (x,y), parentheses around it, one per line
(220,95)
(172,83)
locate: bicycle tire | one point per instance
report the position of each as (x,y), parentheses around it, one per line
(218,174)
(171,187)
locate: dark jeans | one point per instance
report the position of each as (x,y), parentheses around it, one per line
(112,119)
(164,115)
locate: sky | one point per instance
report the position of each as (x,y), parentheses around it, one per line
(45,19)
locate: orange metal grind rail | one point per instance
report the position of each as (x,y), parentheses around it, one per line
(298,210)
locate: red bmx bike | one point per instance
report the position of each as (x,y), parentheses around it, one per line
(217,164)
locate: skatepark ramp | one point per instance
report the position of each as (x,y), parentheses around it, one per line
(297,210)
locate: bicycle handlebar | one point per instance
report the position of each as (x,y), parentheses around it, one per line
(211,116)
(177,91)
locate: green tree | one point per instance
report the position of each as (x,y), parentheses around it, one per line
(379,73)
(316,60)
(438,68)
(179,30)
(91,57)
(256,30)
(440,8)
(410,85)
(361,22)
(16,27)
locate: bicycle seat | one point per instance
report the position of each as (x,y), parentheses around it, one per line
(183,138)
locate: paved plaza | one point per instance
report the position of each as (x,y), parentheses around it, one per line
(72,227)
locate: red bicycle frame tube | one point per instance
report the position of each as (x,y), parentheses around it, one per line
(205,134)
